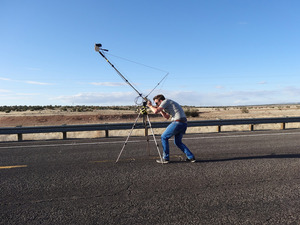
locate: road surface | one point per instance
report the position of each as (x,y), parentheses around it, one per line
(239,178)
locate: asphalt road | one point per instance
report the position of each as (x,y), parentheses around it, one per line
(239,178)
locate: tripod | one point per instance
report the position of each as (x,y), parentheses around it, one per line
(146,121)
(143,111)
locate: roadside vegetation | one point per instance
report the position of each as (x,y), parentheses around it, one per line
(189,111)
(77,108)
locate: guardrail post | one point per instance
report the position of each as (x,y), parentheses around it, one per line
(20,137)
(251,127)
(106,132)
(283,126)
(64,133)
(219,128)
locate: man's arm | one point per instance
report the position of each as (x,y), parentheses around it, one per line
(164,114)
(157,110)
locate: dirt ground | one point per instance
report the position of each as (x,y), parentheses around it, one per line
(56,117)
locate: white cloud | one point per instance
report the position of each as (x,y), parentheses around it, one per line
(108,84)
(262,82)
(219,87)
(26,81)
(233,98)
(17,98)
(37,83)
(192,98)
(4,78)
(4,91)
(220,97)
(27,94)
(113,98)
(292,91)
(33,69)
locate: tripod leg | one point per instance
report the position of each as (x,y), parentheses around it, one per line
(146,131)
(154,137)
(125,143)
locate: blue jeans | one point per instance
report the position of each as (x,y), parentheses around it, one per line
(178,129)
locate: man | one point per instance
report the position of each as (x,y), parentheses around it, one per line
(168,108)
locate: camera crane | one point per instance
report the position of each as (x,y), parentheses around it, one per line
(101,50)
(143,111)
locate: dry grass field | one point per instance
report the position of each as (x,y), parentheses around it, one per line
(58,117)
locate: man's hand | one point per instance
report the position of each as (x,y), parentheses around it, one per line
(149,103)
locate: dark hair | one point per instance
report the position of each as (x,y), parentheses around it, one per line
(159,97)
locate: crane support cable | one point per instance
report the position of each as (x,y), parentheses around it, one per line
(101,50)
(120,74)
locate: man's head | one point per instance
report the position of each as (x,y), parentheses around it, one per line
(158,99)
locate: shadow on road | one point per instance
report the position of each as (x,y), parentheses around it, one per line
(272,156)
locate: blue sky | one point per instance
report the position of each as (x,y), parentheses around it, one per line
(217,52)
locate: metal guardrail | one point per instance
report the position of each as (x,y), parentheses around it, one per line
(123,126)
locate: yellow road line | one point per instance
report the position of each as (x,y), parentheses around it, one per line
(12,167)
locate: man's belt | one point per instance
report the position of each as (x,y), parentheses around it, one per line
(181,120)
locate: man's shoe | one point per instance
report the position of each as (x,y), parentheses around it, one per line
(162,161)
(190,160)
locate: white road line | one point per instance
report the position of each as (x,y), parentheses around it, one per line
(137,141)
(244,135)
(71,144)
